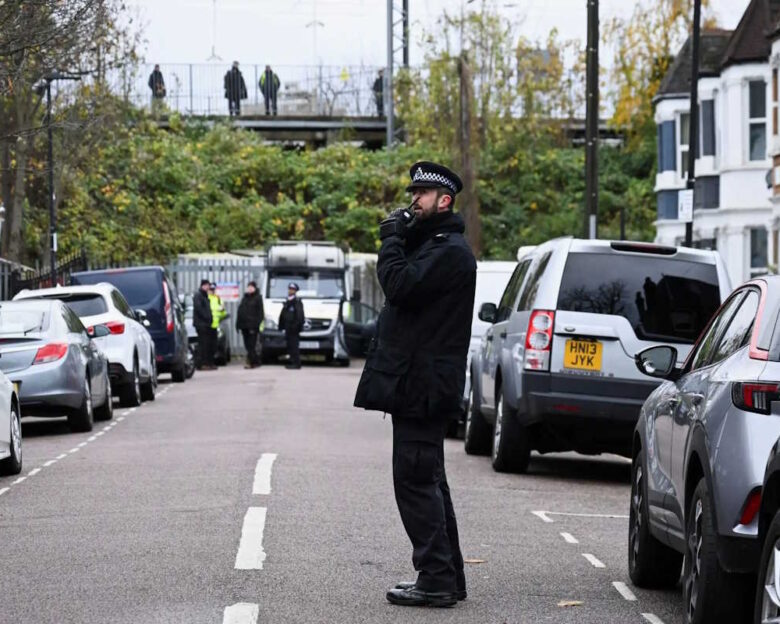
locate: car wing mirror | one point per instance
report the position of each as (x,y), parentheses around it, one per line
(488,312)
(659,362)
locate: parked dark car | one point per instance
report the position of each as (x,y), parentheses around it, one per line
(45,350)
(767,606)
(152,290)
(700,451)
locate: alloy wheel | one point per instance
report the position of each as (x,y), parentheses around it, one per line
(136,383)
(88,398)
(498,427)
(770,604)
(16,435)
(636,519)
(468,414)
(693,554)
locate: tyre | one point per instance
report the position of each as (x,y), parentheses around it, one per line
(149,387)
(476,437)
(83,418)
(12,465)
(189,364)
(651,563)
(130,394)
(106,411)
(511,442)
(710,594)
(767,608)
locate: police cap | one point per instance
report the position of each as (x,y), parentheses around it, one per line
(426,175)
(293,286)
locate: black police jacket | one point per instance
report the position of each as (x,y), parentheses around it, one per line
(201,310)
(416,365)
(250,312)
(291,317)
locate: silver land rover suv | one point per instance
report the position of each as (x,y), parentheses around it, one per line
(555,371)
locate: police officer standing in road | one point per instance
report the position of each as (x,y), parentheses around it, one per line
(202,319)
(291,321)
(416,369)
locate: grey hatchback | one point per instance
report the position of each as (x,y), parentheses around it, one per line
(700,449)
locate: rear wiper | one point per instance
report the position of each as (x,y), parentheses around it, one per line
(27,331)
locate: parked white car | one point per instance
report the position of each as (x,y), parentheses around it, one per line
(128,347)
(10,429)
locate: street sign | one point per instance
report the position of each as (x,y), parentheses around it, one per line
(685,206)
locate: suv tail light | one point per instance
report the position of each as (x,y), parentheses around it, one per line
(50,353)
(168,309)
(755,396)
(115,327)
(538,340)
(751,507)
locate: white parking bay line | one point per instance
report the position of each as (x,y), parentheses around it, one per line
(49,463)
(262,483)
(241,613)
(624,591)
(579,515)
(33,472)
(653,619)
(19,480)
(593,561)
(82,445)
(62,456)
(120,419)
(4,490)
(92,439)
(74,450)
(569,538)
(250,549)
(543,515)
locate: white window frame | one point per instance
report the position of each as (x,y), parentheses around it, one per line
(754,121)
(682,161)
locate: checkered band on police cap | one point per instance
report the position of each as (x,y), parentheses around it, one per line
(430,175)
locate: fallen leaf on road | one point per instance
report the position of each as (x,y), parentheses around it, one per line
(570,603)
(473,561)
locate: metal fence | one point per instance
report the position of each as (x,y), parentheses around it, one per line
(306,90)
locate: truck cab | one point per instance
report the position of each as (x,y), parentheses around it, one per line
(321,272)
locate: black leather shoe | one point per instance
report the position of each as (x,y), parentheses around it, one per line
(460,594)
(413,597)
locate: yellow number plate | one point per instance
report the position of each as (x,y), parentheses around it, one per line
(583,355)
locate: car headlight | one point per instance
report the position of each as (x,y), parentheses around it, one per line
(270,324)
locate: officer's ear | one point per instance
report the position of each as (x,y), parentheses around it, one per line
(445,201)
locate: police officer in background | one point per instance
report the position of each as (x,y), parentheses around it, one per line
(416,369)
(291,321)
(202,320)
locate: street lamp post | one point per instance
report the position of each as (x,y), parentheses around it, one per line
(52,198)
(693,133)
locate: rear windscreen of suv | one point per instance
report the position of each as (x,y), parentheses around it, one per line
(663,299)
(85,304)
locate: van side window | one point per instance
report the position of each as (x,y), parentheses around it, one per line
(532,283)
(510,292)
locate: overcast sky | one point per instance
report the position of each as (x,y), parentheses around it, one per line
(352,31)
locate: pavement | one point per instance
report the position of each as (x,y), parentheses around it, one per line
(263,496)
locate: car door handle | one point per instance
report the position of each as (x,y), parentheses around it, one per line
(490,338)
(502,335)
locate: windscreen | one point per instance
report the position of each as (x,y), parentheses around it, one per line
(16,320)
(140,288)
(663,299)
(84,305)
(312,284)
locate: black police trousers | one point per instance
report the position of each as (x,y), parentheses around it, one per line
(423,499)
(293,340)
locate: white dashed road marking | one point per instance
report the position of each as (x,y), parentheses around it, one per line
(543,515)
(653,619)
(250,550)
(74,450)
(262,483)
(241,613)
(33,472)
(624,591)
(92,439)
(593,561)
(19,480)
(49,463)
(569,538)
(62,455)
(4,490)
(82,445)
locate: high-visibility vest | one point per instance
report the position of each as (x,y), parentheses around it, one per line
(217,310)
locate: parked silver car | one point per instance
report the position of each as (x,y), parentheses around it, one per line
(699,452)
(45,350)
(555,369)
